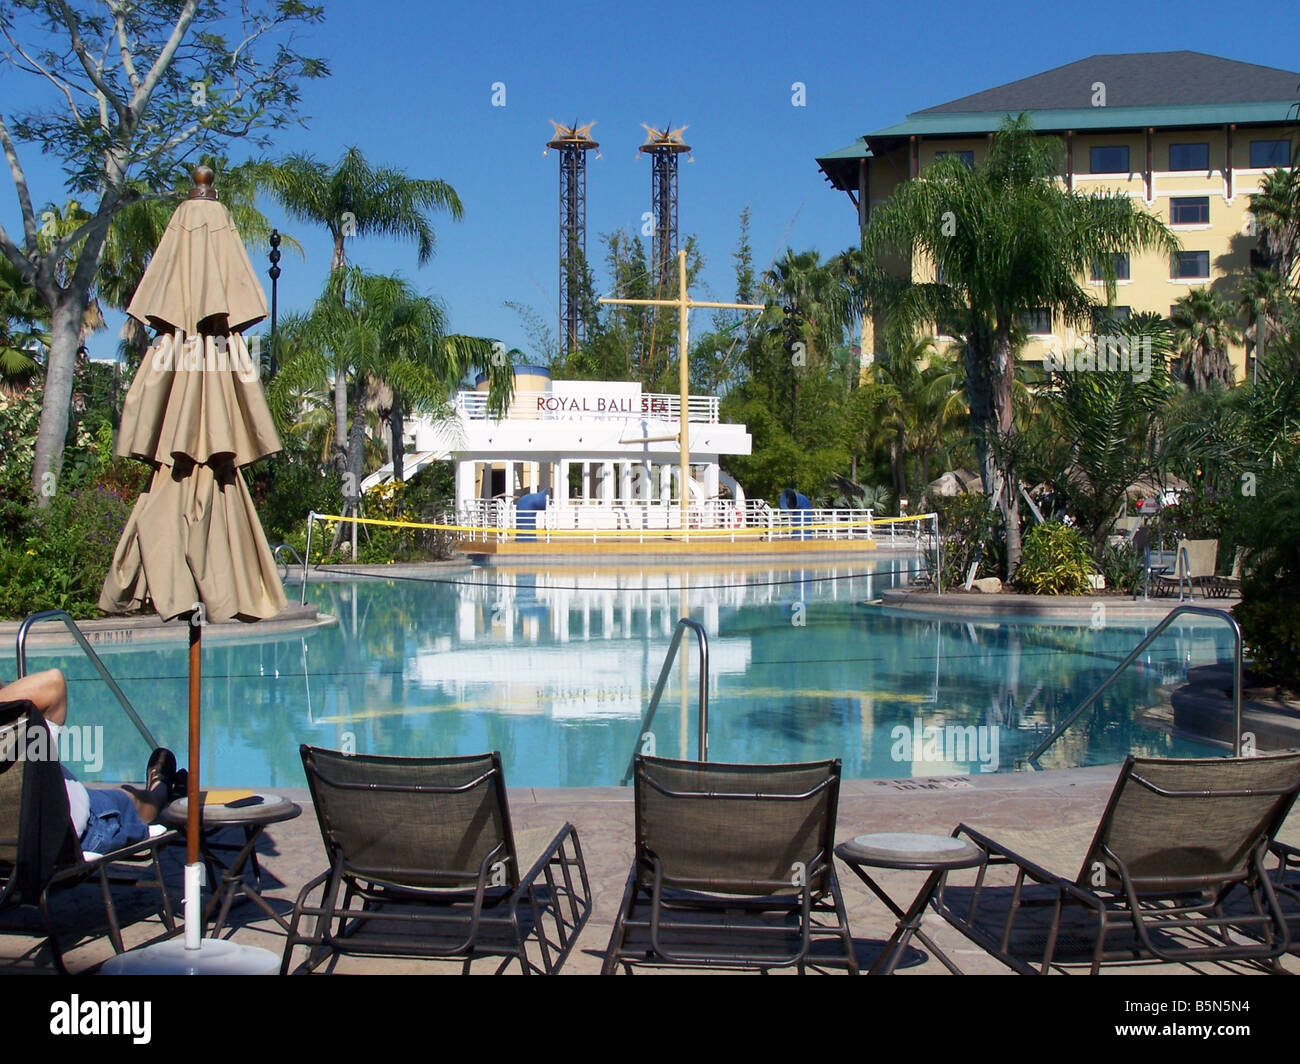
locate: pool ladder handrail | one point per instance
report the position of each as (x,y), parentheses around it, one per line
(275,554)
(95,660)
(702,638)
(1177,611)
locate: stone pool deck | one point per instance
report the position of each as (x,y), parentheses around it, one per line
(1047,816)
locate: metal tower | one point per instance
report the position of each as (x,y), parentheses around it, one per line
(663,146)
(573,143)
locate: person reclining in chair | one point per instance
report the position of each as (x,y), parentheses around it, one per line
(104,819)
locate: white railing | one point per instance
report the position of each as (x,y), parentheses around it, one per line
(538,406)
(637,520)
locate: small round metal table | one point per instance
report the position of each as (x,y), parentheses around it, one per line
(936,854)
(214,819)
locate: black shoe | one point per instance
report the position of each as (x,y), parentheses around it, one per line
(159,779)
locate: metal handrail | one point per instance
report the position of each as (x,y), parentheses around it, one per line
(100,667)
(702,638)
(1177,611)
(275,554)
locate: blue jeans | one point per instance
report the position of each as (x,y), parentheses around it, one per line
(113,822)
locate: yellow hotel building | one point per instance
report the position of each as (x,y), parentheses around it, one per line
(1189,135)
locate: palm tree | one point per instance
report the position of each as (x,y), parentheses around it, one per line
(354,199)
(1276,209)
(1007,239)
(372,334)
(1203,327)
(918,409)
(1269,309)
(22,326)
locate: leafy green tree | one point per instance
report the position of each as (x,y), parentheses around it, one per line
(123,92)
(1006,239)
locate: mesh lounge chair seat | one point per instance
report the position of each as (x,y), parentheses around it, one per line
(733,868)
(33,816)
(1175,872)
(425,846)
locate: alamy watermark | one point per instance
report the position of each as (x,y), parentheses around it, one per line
(213,354)
(83,744)
(1100,353)
(952,743)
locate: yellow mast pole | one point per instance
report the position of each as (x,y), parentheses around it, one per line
(684,305)
(683,381)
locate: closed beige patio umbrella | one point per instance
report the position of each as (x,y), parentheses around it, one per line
(193,545)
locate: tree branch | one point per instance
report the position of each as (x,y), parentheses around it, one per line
(128,64)
(20,183)
(92,71)
(164,59)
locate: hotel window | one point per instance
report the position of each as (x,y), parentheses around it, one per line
(1189,157)
(1037,321)
(1269,154)
(1110,159)
(1105,317)
(1189,210)
(1190,265)
(968,157)
(1259,260)
(1121,269)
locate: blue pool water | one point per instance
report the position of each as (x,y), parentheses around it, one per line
(553,667)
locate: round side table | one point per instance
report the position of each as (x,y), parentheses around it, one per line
(936,854)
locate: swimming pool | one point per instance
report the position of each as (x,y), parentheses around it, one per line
(553,666)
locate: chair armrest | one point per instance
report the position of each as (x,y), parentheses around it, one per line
(123,853)
(548,855)
(1034,871)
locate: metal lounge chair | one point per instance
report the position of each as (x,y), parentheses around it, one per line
(1194,565)
(425,845)
(1175,872)
(733,868)
(39,851)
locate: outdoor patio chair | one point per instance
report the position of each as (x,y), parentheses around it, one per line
(733,868)
(425,845)
(1194,565)
(39,851)
(1175,872)
(1223,586)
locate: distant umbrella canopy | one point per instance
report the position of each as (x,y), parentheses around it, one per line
(197,414)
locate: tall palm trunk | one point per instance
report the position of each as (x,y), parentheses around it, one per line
(395,434)
(1004,370)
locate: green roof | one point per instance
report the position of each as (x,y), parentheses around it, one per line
(957,123)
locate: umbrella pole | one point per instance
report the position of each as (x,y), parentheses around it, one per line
(193,869)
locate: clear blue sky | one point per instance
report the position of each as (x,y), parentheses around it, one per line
(412,87)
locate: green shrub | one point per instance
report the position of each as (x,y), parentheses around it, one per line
(1055,560)
(1123,567)
(1269,615)
(969,532)
(61,562)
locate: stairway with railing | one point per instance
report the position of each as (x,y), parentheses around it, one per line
(1174,614)
(647,718)
(66,619)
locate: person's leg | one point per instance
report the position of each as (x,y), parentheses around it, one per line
(114,821)
(47,691)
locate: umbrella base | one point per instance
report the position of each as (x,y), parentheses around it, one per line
(213,957)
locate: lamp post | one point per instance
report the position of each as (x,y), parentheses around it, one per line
(274,273)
